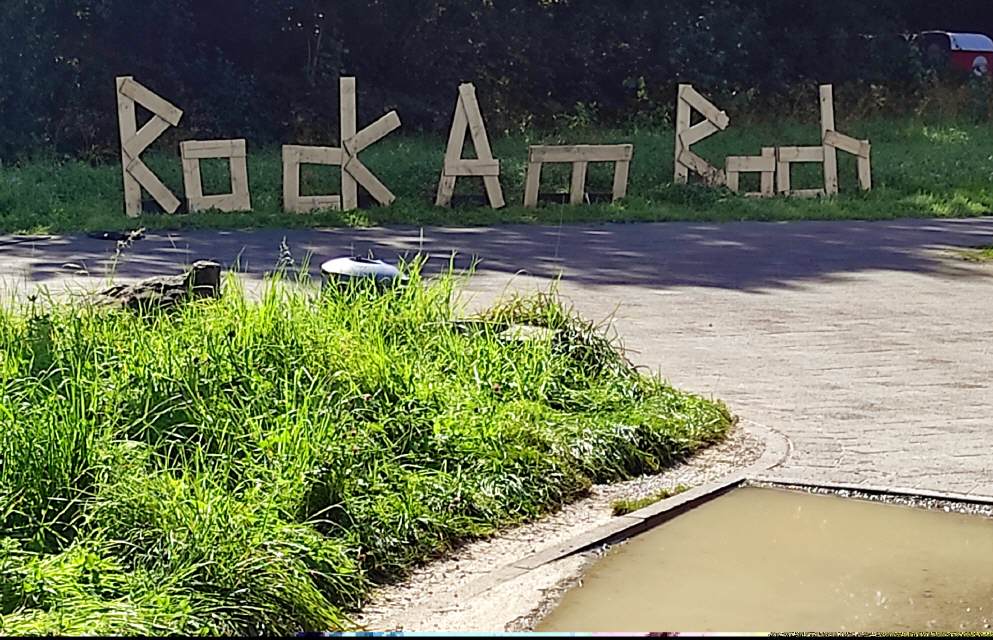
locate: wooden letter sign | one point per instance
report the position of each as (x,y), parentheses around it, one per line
(689,100)
(469,119)
(353,172)
(579,156)
(192,151)
(764,164)
(135,141)
(293,157)
(834,141)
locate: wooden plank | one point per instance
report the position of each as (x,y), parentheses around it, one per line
(807,193)
(206,203)
(457,134)
(577,187)
(468,167)
(801,154)
(230,203)
(306,204)
(680,172)
(732,181)
(621,170)
(711,174)
(241,193)
(372,134)
(446,189)
(750,164)
(192,181)
(349,125)
(151,101)
(314,203)
(127,123)
(477,129)
(830,154)
(214,148)
(698,132)
(865,170)
(531,184)
(239,148)
(153,186)
(494,192)
(369,181)
(145,137)
(205,148)
(705,107)
(783,177)
(581,153)
(226,202)
(453,152)
(291,179)
(291,153)
(858,148)
(768,179)
(331,156)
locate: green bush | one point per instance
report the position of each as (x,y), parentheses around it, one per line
(244,468)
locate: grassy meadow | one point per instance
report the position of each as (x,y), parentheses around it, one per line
(928,170)
(234,467)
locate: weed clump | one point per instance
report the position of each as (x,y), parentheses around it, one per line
(624,506)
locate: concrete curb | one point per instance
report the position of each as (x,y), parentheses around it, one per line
(777,450)
(966,498)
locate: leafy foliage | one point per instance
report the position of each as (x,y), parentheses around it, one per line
(268,69)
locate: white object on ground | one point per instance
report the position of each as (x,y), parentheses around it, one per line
(361,268)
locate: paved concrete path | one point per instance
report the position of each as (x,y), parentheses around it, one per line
(866,343)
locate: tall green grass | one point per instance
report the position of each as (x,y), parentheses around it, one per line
(929,169)
(239,467)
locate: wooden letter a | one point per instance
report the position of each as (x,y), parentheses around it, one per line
(469,119)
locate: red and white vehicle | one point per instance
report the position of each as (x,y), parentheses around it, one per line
(968,52)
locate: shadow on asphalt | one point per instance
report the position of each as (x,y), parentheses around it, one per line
(748,256)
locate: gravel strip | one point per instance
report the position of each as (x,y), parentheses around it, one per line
(918,502)
(439,595)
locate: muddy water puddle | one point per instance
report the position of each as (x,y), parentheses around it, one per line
(772,560)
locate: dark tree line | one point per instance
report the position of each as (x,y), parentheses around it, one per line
(268,69)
